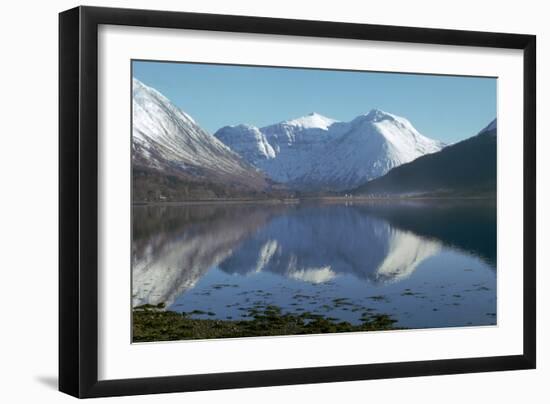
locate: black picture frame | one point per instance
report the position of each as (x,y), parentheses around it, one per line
(78,201)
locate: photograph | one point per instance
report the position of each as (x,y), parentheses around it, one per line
(276,201)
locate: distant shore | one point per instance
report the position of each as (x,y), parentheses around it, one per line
(326,199)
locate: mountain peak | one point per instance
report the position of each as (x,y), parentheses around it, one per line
(167,141)
(377,115)
(244,126)
(147,96)
(491,127)
(139,87)
(311,120)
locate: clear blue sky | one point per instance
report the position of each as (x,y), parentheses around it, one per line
(442,107)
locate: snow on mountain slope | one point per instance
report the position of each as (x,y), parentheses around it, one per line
(311,121)
(371,146)
(318,153)
(166,138)
(284,150)
(251,144)
(467,167)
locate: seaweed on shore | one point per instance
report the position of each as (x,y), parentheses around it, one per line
(152,323)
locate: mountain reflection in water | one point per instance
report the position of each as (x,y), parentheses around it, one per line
(426,264)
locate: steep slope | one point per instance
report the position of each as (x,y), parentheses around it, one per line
(316,153)
(283,151)
(468,168)
(370,146)
(174,158)
(250,143)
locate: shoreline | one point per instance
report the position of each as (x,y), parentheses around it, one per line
(153,323)
(335,199)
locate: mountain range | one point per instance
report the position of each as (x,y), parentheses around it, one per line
(317,153)
(175,159)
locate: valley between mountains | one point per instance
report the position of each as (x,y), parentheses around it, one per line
(375,155)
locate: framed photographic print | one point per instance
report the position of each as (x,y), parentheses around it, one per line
(251,201)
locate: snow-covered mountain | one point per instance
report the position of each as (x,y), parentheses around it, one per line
(167,140)
(309,153)
(445,172)
(318,153)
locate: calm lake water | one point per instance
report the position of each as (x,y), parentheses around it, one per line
(424,264)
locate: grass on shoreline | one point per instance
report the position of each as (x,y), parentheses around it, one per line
(153,323)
